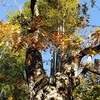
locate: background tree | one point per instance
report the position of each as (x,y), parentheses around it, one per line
(12,74)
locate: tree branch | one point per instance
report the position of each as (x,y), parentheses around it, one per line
(86,51)
(85,70)
(33,2)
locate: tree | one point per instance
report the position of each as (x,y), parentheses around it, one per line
(67,51)
(12,74)
(64,74)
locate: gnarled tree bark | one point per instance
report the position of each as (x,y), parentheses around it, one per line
(39,84)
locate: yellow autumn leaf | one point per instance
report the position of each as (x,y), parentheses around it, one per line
(67,39)
(93,52)
(10,97)
(1,76)
(62,43)
(90,35)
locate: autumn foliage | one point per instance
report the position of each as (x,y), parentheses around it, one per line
(41,32)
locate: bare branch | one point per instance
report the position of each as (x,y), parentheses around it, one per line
(85,70)
(86,51)
(17,5)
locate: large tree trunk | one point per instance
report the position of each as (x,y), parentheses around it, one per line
(65,76)
(39,84)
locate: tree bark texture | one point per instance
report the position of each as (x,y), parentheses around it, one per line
(39,84)
(65,76)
